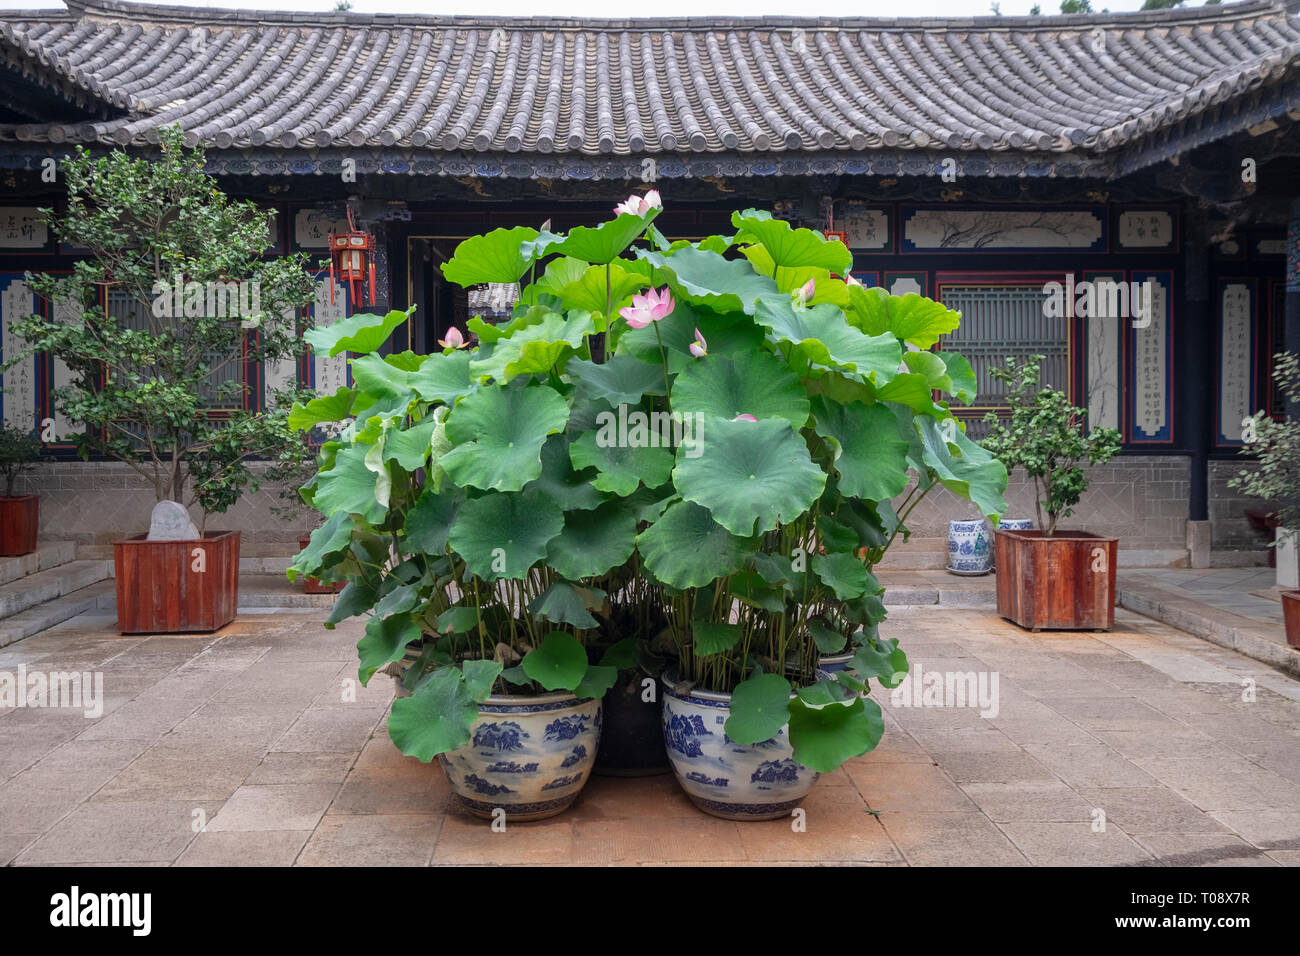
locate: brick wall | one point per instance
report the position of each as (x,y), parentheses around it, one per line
(1229,529)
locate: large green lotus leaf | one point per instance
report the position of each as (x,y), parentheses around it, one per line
(827,640)
(790,247)
(845,574)
(686,548)
(356,598)
(620,467)
(358,333)
(385,641)
(708,638)
(753,383)
(604,243)
(444,377)
(503,534)
(598,679)
(912,390)
(821,335)
(750,475)
(881,659)
(325,408)
(436,718)
(479,676)
(533,314)
(871,458)
(621,380)
(558,662)
(825,737)
(588,291)
(760,707)
(727,333)
(498,435)
(428,523)
(792,277)
(593,542)
(971,472)
(457,619)
(379,379)
(911,317)
(399,600)
(333,536)
(706,278)
(349,486)
(964,387)
(559,273)
(570,490)
(535,348)
(494,257)
(562,604)
(410,447)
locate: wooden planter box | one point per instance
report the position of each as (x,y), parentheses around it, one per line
(19,518)
(1064,582)
(161,589)
(1291,617)
(313,585)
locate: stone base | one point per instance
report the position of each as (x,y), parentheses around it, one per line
(1198,544)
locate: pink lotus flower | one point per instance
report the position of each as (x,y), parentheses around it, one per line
(744,418)
(699,348)
(636,205)
(454,339)
(805,293)
(648,308)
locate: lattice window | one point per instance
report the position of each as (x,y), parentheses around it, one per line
(1002,320)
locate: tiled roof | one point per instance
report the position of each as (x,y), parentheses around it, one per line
(240,79)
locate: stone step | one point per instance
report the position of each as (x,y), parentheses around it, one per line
(62,608)
(18,596)
(258,591)
(48,554)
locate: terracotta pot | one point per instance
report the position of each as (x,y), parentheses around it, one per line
(1065,582)
(170,587)
(314,585)
(19,518)
(1291,617)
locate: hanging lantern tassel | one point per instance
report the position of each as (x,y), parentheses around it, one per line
(331,277)
(372,280)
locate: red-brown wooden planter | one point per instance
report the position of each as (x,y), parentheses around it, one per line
(1065,582)
(314,585)
(19,518)
(160,589)
(1291,617)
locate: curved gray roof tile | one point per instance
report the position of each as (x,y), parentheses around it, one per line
(236,79)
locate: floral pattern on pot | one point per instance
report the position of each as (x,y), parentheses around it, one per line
(723,778)
(968,546)
(529,756)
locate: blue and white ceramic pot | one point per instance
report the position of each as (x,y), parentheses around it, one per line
(968,546)
(723,778)
(1010,524)
(530,756)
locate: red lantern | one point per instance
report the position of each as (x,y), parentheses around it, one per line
(352,253)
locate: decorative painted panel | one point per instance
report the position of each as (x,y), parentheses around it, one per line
(312,228)
(1150,353)
(21,227)
(329,373)
(901,283)
(869,279)
(18,400)
(65,310)
(948,229)
(1237,307)
(1102,358)
(1149,229)
(867,226)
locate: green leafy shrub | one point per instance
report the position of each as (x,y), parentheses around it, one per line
(690,444)
(18,450)
(1276,444)
(1045,437)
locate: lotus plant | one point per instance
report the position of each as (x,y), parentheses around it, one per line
(787,422)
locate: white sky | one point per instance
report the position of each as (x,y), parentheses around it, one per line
(649,8)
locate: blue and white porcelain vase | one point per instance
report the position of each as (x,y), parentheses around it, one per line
(529,756)
(968,546)
(1016,524)
(723,778)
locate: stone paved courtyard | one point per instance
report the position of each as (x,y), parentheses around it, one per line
(239,748)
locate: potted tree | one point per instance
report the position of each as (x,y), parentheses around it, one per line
(661,441)
(1051,578)
(1276,446)
(19,514)
(173,301)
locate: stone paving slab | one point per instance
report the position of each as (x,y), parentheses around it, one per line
(1138,747)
